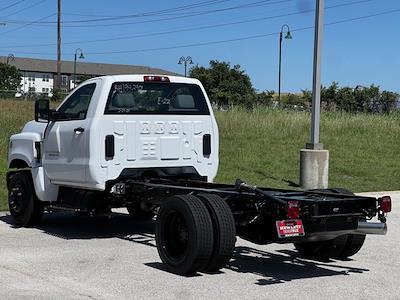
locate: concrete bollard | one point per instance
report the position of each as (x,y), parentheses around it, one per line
(314,166)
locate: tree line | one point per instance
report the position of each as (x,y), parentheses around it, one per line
(229,86)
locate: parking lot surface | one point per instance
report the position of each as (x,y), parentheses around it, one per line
(70,257)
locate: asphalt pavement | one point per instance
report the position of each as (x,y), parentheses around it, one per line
(70,257)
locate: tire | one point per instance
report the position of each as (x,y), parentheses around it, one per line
(224,231)
(322,249)
(25,208)
(341,247)
(353,245)
(184,234)
(354,242)
(137,213)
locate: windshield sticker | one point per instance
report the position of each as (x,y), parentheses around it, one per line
(127,87)
(163,101)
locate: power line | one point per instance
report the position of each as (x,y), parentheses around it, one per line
(191,28)
(25,25)
(164,11)
(150,13)
(25,8)
(11,5)
(349,20)
(248,5)
(245,38)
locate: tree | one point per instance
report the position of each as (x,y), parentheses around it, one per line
(10,77)
(226,85)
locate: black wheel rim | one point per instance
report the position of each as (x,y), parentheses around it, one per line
(176,236)
(18,198)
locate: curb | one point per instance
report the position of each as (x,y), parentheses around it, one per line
(4,213)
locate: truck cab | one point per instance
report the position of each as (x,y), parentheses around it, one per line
(120,126)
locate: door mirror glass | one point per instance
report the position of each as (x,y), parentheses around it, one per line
(42,111)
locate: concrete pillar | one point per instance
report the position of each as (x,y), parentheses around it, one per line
(314,166)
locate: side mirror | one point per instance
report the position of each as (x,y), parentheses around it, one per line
(42,111)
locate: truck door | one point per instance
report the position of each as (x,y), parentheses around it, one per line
(66,154)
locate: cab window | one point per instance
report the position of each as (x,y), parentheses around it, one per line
(156,98)
(77,105)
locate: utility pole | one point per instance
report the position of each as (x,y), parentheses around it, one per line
(58,80)
(314,160)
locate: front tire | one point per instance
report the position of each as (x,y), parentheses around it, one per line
(184,234)
(25,208)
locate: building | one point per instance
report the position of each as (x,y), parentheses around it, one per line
(38,74)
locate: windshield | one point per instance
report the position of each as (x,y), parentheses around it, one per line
(156,98)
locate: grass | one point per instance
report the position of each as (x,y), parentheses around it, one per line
(262,146)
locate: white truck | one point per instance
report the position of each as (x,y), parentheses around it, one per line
(150,143)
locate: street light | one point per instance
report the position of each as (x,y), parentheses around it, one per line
(314,160)
(288,36)
(185,61)
(10,57)
(75,57)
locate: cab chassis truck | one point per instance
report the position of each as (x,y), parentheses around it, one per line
(150,143)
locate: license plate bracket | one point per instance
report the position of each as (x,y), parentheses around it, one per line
(290,228)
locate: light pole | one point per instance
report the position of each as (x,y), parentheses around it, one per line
(288,36)
(185,61)
(75,57)
(10,57)
(314,160)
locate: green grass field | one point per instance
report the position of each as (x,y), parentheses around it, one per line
(262,146)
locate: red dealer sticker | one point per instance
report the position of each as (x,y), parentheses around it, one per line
(289,228)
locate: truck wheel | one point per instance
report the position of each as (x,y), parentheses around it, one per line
(354,242)
(322,249)
(24,206)
(137,213)
(224,231)
(184,234)
(341,247)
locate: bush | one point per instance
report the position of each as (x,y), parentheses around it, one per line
(359,99)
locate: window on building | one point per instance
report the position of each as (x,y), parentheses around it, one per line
(46,77)
(64,80)
(31,77)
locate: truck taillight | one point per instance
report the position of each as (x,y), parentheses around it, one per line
(293,210)
(385,204)
(156,78)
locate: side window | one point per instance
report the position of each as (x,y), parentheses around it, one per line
(77,105)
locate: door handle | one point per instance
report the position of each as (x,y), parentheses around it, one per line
(79,130)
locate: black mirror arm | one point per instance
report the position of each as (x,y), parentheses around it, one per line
(53,115)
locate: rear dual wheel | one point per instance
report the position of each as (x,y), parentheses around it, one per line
(195,233)
(341,247)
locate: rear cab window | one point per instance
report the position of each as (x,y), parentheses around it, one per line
(156,98)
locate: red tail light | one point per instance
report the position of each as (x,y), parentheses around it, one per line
(293,210)
(156,78)
(386,204)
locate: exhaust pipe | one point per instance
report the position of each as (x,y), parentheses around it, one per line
(371,228)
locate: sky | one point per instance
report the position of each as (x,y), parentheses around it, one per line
(361,41)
